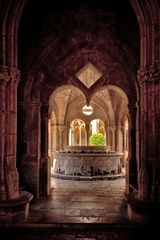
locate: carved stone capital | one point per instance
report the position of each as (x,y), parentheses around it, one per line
(14,75)
(113,129)
(142,75)
(61,127)
(154,73)
(4,78)
(149,74)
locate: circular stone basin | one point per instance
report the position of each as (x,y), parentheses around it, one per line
(87,161)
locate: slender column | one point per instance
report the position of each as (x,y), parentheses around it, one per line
(113,129)
(60,134)
(3,82)
(49,138)
(44,162)
(132,145)
(124,146)
(107,135)
(67,134)
(80,136)
(65,137)
(11,174)
(118,129)
(143,172)
(33,147)
(87,132)
(54,138)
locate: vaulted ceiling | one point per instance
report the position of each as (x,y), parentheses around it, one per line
(81,49)
(109,104)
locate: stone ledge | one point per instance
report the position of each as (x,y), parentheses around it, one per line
(15,209)
(90,178)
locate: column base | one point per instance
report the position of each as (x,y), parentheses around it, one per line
(15,210)
(142,212)
(3,194)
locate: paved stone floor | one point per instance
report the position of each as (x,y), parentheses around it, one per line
(78,210)
(73,201)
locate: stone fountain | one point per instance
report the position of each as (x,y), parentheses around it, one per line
(87,162)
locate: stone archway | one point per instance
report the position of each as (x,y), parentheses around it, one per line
(112,67)
(109,103)
(39,74)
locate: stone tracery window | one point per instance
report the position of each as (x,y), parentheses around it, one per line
(77,133)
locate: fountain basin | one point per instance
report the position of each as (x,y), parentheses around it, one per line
(87,161)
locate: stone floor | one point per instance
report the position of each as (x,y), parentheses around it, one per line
(78,210)
(73,201)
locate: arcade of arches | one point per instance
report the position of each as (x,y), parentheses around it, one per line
(73,127)
(63,66)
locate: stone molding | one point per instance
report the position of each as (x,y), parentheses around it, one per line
(9,74)
(4,77)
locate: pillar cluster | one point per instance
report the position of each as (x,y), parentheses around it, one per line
(149,166)
(9,177)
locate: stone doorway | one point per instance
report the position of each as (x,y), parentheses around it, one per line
(109,104)
(55,92)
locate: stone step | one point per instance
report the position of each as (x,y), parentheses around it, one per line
(75,232)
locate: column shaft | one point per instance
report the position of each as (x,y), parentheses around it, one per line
(11,174)
(3,82)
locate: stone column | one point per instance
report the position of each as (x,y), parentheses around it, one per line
(65,137)
(124,145)
(44,162)
(60,129)
(31,166)
(87,133)
(49,137)
(3,82)
(131,162)
(113,129)
(11,173)
(14,204)
(118,129)
(107,136)
(54,138)
(80,136)
(149,167)
(67,129)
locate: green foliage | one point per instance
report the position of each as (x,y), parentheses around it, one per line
(97,139)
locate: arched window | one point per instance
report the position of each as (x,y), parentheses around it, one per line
(77,133)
